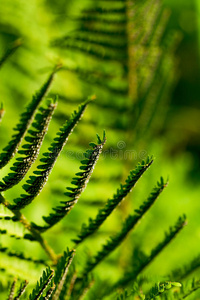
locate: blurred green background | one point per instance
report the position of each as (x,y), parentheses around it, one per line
(176,145)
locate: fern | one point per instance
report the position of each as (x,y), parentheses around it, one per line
(12,289)
(122,192)
(31,150)
(125,41)
(42,284)
(129,224)
(61,272)
(36,183)
(25,121)
(21,290)
(80,182)
(146,260)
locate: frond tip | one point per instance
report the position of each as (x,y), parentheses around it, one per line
(80,182)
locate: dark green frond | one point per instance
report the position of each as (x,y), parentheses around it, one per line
(45,281)
(24,123)
(10,51)
(36,182)
(129,224)
(21,290)
(146,260)
(186,270)
(87,167)
(186,292)
(61,272)
(49,293)
(30,150)
(111,204)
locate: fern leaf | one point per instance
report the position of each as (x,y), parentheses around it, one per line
(111,204)
(80,182)
(49,293)
(129,224)
(31,150)
(24,123)
(10,51)
(21,290)
(169,236)
(184,293)
(36,183)
(45,281)
(186,270)
(12,290)
(61,272)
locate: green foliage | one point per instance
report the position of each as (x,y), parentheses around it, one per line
(31,150)
(111,204)
(24,123)
(126,55)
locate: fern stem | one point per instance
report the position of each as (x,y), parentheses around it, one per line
(21,290)
(22,219)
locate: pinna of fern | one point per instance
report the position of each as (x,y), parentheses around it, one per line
(112,203)
(80,181)
(31,150)
(24,123)
(130,37)
(37,181)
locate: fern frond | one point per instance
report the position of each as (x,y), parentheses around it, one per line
(36,183)
(31,150)
(61,272)
(186,270)
(12,227)
(21,290)
(49,293)
(20,255)
(146,260)
(128,225)
(10,51)
(12,290)
(185,292)
(45,281)
(86,168)
(112,203)
(24,123)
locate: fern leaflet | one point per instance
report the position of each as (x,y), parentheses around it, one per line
(31,150)
(44,282)
(111,204)
(80,182)
(24,123)
(129,224)
(36,183)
